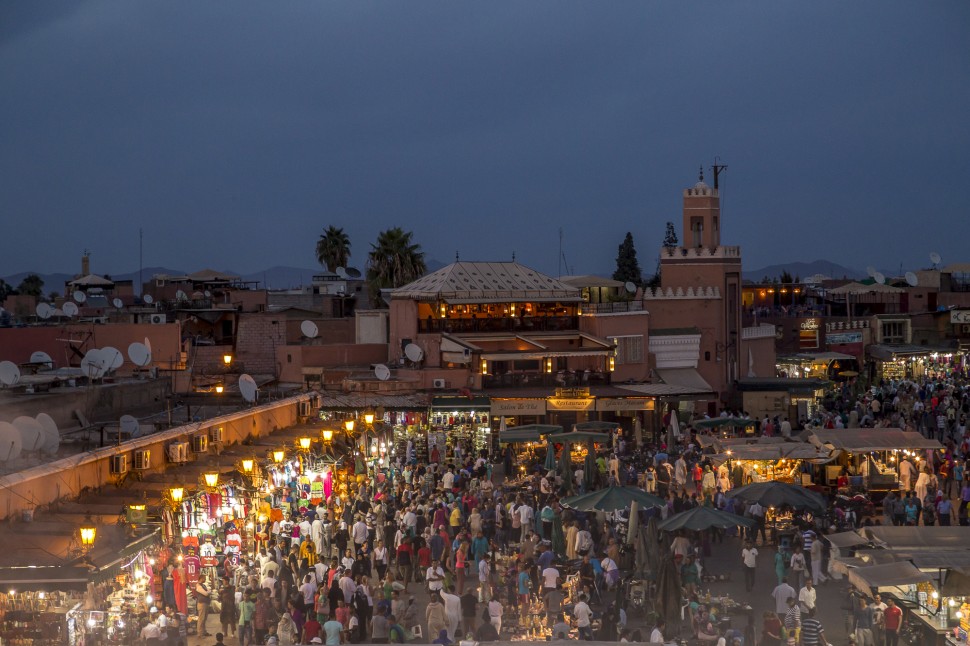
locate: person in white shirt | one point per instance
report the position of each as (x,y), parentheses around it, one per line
(495,612)
(749,558)
(583,615)
(657,634)
(452,610)
(806,596)
(525,517)
(448,479)
(359,532)
(550,579)
(347,586)
(435,576)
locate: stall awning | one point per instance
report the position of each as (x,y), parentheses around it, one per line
(871,439)
(892,351)
(934,537)
(684,377)
(787,450)
(672,391)
(887,574)
(44,579)
(445,402)
(528,433)
(845,539)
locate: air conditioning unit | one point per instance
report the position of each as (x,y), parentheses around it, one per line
(200,443)
(439,383)
(178,452)
(157,319)
(215,435)
(119,464)
(143,460)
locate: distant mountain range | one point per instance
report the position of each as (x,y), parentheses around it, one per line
(278,277)
(804,270)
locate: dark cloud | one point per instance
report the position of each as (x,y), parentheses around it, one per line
(233,133)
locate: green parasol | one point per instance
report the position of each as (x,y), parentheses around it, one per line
(611,499)
(589,468)
(558,537)
(701,518)
(596,425)
(566,468)
(779,494)
(580,436)
(550,463)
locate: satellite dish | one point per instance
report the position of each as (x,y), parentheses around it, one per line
(148,343)
(118,303)
(340,271)
(44,310)
(31,433)
(128,424)
(630,287)
(69,308)
(309,329)
(352,272)
(92,365)
(52,436)
(911,279)
(248,388)
(139,354)
(10,442)
(80,296)
(41,357)
(207,294)
(413,352)
(112,358)
(871,271)
(382,372)
(148,299)
(180,296)
(879,278)
(9,373)
(935,258)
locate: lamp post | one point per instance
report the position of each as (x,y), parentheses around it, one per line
(89,532)
(278,455)
(305,443)
(211,479)
(227,359)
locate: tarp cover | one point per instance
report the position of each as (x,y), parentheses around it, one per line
(885,575)
(934,537)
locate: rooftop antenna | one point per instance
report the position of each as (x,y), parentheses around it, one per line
(560,252)
(717,169)
(140,257)
(513,255)
(457,259)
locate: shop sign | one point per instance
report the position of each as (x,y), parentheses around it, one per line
(518,407)
(572,393)
(622,403)
(810,324)
(843,337)
(959,316)
(566,403)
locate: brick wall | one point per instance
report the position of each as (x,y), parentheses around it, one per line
(257,338)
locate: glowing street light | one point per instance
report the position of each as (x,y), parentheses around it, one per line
(211,478)
(89,532)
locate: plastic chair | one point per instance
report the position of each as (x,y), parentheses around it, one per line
(416,632)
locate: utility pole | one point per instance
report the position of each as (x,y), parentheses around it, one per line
(717,169)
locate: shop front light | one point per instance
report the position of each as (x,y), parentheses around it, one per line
(349,425)
(278,455)
(327,435)
(248,464)
(305,443)
(368,418)
(176,494)
(211,478)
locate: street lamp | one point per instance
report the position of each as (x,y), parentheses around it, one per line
(211,478)
(278,455)
(219,388)
(368,418)
(89,531)
(227,359)
(305,443)
(327,435)
(176,494)
(349,425)
(247,465)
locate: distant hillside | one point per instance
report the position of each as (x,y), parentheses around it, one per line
(803,270)
(52,282)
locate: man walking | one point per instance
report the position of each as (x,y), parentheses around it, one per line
(749,558)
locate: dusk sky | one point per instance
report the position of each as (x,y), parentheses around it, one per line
(233,133)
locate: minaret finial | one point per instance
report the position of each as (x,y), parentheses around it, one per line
(513,256)
(456,257)
(701,176)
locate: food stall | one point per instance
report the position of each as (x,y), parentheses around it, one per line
(789,462)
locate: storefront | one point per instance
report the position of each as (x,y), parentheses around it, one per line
(903,361)
(457,421)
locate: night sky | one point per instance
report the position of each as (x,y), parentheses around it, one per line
(233,133)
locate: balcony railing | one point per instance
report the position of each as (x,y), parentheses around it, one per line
(612,308)
(564,379)
(510,324)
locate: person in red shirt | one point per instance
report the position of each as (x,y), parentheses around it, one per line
(405,563)
(424,558)
(893,621)
(311,629)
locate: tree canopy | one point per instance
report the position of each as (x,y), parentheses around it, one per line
(627,267)
(31,285)
(392,262)
(333,248)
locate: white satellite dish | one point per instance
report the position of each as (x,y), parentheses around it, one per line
(382,372)
(139,354)
(911,279)
(52,436)
(128,424)
(31,433)
(148,299)
(93,364)
(69,309)
(630,287)
(935,258)
(879,278)
(309,329)
(118,303)
(9,373)
(112,358)
(10,442)
(340,271)
(80,296)
(207,294)
(248,388)
(871,271)
(41,357)
(352,272)
(413,352)
(180,296)
(44,310)
(148,343)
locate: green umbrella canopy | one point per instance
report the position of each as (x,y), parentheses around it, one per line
(566,468)
(550,463)
(589,469)
(779,494)
(701,518)
(611,499)
(558,537)
(596,426)
(528,433)
(579,436)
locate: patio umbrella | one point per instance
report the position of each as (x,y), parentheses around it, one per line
(558,537)
(669,591)
(550,463)
(589,468)
(701,518)
(778,494)
(596,425)
(611,499)
(651,545)
(580,436)
(638,432)
(633,525)
(566,468)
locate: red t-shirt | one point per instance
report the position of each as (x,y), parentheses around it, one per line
(893,617)
(311,629)
(424,556)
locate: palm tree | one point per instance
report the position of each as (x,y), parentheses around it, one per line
(333,248)
(392,262)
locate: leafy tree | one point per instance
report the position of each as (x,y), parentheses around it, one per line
(5,289)
(392,262)
(627,267)
(333,248)
(786,277)
(670,236)
(31,285)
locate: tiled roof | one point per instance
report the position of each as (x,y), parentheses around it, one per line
(481,281)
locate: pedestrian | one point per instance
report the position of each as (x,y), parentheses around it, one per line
(892,622)
(749,559)
(812,633)
(583,615)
